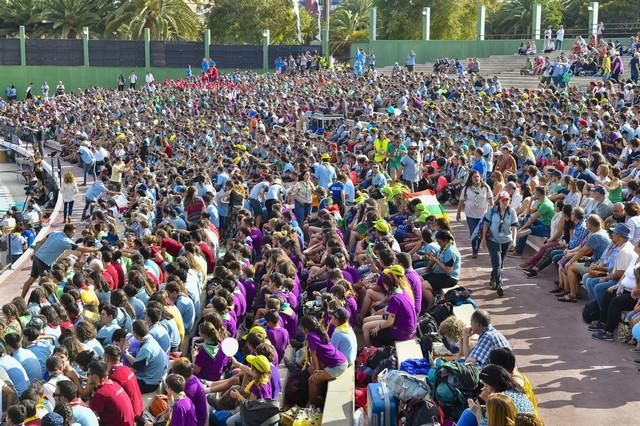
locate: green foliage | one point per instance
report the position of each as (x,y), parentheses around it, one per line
(68,17)
(242,21)
(19,12)
(349,23)
(513,18)
(166,19)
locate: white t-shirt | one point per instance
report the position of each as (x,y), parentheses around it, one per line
(624,257)
(628,280)
(476,203)
(133,78)
(634,224)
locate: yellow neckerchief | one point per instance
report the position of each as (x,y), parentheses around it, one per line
(247,389)
(345,328)
(179,396)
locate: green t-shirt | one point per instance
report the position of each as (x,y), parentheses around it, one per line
(395,155)
(545,208)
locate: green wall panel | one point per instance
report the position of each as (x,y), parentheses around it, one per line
(390,51)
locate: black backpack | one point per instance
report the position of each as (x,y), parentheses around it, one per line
(591,312)
(426,325)
(458,295)
(385,357)
(441,311)
(421,412)
(260,412)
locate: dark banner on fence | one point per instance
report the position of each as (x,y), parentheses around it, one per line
(237,56)
(116,53)
(54,52)
(284,51)
(176,54)
(9,51)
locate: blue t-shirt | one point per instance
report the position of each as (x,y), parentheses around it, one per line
(95,190)
(16,373)
(153,357)
(337,189)
(42,349)
(29,362)
(187,311)
(481,166)
(54,245)
(161,335)
(105,334)
(598,243)
(325,174)
(346,343)
(450,256)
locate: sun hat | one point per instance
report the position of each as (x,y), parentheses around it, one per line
(622,229)
(381,226)
(259,362)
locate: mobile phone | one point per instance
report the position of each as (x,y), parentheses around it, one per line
(385,316)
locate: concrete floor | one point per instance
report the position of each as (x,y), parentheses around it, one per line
(577,380)
(11,189)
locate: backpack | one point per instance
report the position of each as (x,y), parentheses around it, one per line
(365,354)
(296,391)
(441,311)
(426,344)
(455,383)
(384,358)
(622,333)
(260,412)
(404,386)
(421,412)
(458,296)
(426,325)
(364,375)
(591,312)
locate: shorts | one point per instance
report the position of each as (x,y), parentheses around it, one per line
(256,207)
(582,268)
(38,267)
(337,370)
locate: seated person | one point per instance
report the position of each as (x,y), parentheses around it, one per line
(488,339)
(149,363)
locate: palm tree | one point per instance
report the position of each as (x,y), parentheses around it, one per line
(68,17)
(514,17)
(14,13)
(350,23)
(166,19)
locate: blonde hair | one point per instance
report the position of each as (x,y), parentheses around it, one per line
(69,178)
(500,410)
(452,328)
(528,419)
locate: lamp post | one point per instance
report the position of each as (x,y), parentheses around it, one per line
(426,23)
(85,45)
(266,34)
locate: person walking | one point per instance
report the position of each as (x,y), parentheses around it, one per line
(88,161)
(498,234)
(69,190)
(475,198)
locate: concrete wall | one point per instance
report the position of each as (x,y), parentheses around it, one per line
(390,51)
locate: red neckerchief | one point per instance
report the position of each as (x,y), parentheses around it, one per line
(79,402)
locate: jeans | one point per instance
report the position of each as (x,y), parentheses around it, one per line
(89,167)
(556,255)
(301,211)
(498,252)
(68,209)
(88,206)
(596,289)
(558,44)
(472,223)
(538,229)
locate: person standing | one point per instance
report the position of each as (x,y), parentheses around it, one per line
(411,60)
(498,234)
(559,38)
(133,79)
(475,198)
(634,66)
(302,194)
(121,83)
(45,90)
(88,161)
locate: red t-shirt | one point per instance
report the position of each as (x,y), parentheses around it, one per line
(121,277)
(111,403)
(111,270)
(172,246)
(124,376)
(109,279)
(208,255)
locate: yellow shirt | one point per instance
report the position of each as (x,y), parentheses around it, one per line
(176,316)
(381,146)
(89,297)
(527,388)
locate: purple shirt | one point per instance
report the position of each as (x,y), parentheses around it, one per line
(327,354)
(290,322)
(415,281)
(249,290)
(239,304)
(275,380)
(256,237)
(405,323)
(211,368)
(183,413)
(195,391)
(352,306)
(262,391)
(279,338)
(354,273)
(230,324)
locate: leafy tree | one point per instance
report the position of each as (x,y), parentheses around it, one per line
(513,18)
(166,19)
(349,23)
(14,13)
(67,17)
(242,21)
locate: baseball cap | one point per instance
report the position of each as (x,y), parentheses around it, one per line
(259,362)
(599,189)
(503,195)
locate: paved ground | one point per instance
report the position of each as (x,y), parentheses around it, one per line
(11,189)
(11,281)
(578,380)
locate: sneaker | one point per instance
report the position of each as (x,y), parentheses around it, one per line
(531,273)
(602,335)
(596,326)
(474,255)
(492,284)
(524,233)
(500,291)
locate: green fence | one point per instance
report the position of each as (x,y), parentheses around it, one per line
(390,51)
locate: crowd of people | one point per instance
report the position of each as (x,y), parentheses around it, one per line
(217,211)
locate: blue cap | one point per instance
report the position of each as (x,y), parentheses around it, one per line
(623,230)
